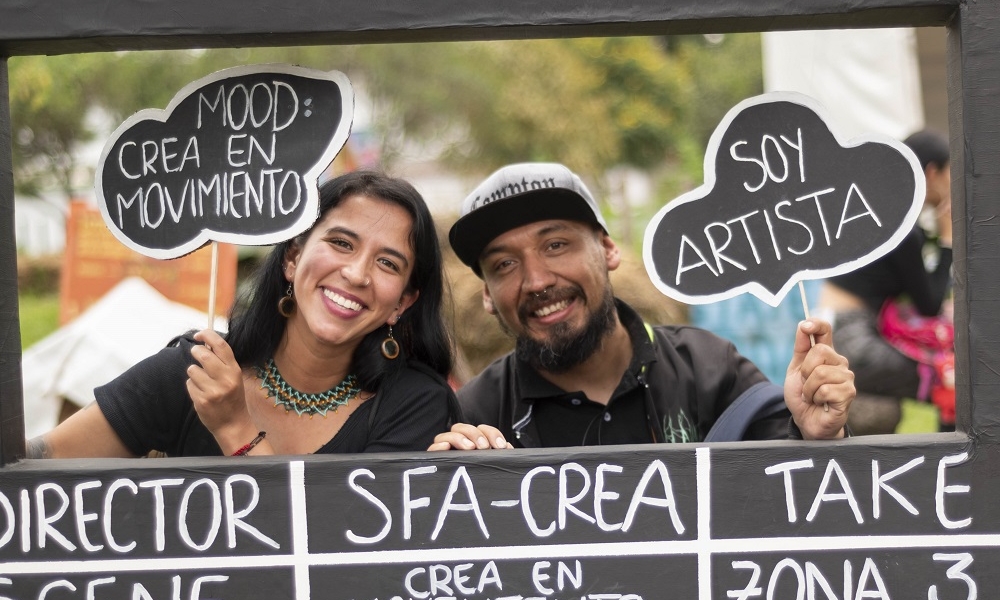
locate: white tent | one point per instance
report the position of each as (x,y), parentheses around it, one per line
(131,322)
(867,79)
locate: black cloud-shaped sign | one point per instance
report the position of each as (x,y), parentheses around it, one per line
(235,157)
(783,200)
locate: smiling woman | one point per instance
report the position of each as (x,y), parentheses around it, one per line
(341,323)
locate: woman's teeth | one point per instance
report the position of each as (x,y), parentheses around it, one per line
(341,301)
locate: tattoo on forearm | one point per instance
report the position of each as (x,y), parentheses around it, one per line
(38,448)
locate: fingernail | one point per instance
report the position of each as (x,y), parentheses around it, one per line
(501,443)
(482,442)
(467,444)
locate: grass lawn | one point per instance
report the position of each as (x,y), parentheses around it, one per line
(39,316)
(918,417)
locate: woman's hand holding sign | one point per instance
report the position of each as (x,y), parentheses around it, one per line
(216,388)
(819,385)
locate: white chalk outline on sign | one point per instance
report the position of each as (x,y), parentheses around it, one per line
(703,190)
(312,176)
(300,560)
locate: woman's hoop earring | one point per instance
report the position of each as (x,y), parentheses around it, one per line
(286,306)
(390,348)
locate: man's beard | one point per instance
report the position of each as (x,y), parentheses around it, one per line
(565,348)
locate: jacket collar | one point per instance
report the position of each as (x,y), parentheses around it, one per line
(531,386)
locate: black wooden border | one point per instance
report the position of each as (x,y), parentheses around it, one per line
(974,78)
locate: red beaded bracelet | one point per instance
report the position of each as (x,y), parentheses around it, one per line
(242,451)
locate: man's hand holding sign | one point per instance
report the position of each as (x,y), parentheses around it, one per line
(784,200)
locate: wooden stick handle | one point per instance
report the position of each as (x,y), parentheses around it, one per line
(211,284)
(812,338)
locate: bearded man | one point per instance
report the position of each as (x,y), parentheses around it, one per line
(586,369)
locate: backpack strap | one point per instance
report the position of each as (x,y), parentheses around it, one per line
(760,400)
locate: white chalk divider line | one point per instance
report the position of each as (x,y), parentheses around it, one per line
(694,548)
(300,528)
(704,548)
(703,479)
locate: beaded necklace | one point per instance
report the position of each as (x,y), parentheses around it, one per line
(302,403)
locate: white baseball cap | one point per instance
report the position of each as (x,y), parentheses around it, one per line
(516,195)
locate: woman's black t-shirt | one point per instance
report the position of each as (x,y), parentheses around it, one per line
(149,408)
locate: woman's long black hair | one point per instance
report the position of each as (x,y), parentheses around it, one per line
(256,327)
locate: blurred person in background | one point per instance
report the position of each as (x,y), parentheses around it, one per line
(918,271)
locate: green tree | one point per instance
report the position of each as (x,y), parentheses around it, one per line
(60,103)
(592,103)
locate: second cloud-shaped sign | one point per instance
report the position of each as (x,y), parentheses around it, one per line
(783,200)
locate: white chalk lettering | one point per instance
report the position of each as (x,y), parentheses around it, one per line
(106,520)
(941,489)
(236,195)
(436,580)
(8,511)
(880,482)
(247,146)
(410,503)
(742,220)
(880,485)
(788,219)
(378,537)
(601,495)
(567,502)
(212,106)
(461,476)
(833,467)
(150,152)
(234,518)
(720,243)
(122,204)
(529,518)
(752,588)
(717,249)
(216,514)
(196,586)
(765,163)
(868,212)
(255,106)
(83,518)
(539,575)
(92,585)
(121,161)
(157,486)
(59,583)
(786,469)
(956,572)
(683,268)
(667,501)
(45,520)
(819,210)
(763,175)
(160,195)
(807,579)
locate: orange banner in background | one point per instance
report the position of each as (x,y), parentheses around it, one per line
(95,261)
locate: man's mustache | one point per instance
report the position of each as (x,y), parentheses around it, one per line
(547,297)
